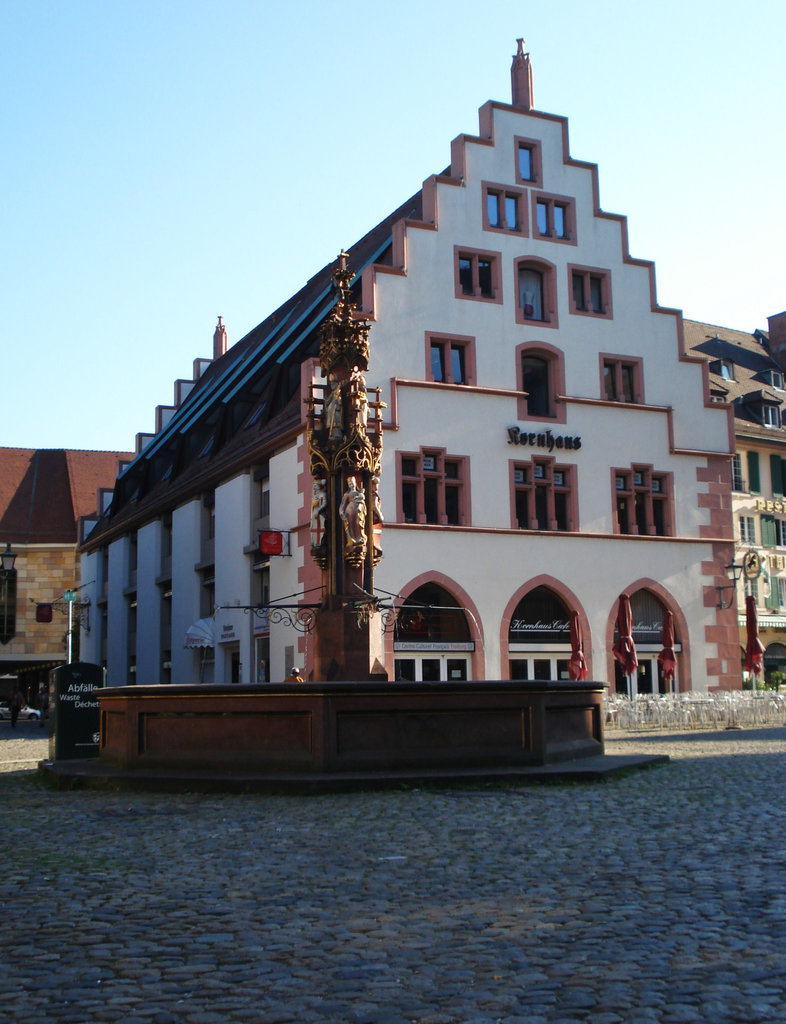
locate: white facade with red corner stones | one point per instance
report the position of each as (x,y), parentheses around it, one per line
(548,445)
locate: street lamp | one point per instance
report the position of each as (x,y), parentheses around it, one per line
(8,558)
(734,572)
(7,595)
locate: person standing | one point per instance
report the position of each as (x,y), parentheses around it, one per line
(16,706)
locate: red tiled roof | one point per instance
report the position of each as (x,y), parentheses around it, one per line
(43,492)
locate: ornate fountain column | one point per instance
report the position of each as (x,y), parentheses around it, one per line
(345,452)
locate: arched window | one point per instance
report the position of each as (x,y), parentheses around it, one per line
(539,636)
(648,613)
(531,293)
(536,292)
(432,637)
(540,373)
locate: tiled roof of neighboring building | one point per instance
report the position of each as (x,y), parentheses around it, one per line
(43,492)
(741,372)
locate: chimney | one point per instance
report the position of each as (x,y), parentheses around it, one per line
(777,330)
(521,79)
(219,339)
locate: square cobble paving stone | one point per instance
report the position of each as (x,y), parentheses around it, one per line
(649,898)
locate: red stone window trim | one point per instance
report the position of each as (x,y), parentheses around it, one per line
(643,501)
(589,291)
(540,376)
(504,209)
(477,274)
(433,487)
(554,218)
(621,378)
(528,161)
(450,358)
(543,495)
(536,292)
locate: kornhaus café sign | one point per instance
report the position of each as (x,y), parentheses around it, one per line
(543,439)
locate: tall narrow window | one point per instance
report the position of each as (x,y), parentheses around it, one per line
(737,480)
(525,163)
(531,293)
(540,377)
(493,209)
(535,381)
(747,530)
(528,162)
(536,298)
(438,370)
(511,212)
(466,275)
(754,483)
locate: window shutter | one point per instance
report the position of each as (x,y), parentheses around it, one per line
(768,536)
(753,473)
(776,474)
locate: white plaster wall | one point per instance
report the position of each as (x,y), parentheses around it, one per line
(117,619)
(492,567)
(425,299)
(233,574)
(148,610)
(287,511)
(90,642)
(186,527)
(492,561)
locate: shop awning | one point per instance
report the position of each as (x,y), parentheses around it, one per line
(767,621)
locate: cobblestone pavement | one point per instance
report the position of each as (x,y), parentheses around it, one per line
(653,897)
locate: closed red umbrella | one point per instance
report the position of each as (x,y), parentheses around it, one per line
(624,649)
(667,658)
(577,666)
(754,649)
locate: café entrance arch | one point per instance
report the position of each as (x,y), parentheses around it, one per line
(649,604)
(538,632)
(433,637)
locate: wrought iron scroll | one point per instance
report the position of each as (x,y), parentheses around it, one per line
(301,617)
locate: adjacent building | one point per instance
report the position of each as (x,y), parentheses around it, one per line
(549,443)
(43,495)
(747,370)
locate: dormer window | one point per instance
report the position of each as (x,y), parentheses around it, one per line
(723,367)
(771,415)
(775,378)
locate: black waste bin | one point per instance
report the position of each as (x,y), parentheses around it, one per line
(74,725)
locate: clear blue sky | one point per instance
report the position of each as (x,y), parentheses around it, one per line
(167,161)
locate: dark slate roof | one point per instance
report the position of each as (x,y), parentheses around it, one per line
(43,492)
(751,386)
(244,403)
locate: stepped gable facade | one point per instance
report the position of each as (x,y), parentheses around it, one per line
(550,443)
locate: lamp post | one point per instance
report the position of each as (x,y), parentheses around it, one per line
(7,595)
(734,572)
